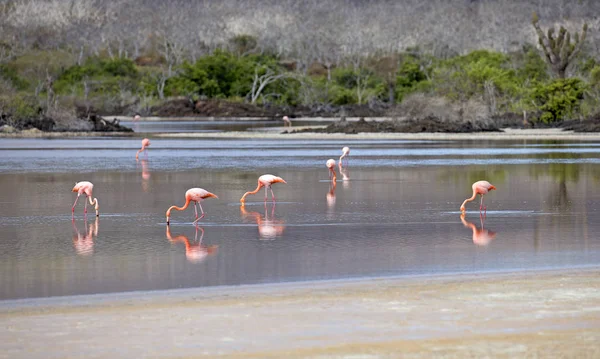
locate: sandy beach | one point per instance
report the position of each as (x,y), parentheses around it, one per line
(528,314)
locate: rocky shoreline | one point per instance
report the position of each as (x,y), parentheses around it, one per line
(401,119)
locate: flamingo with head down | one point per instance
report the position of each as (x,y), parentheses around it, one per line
(195,195)
(145,144)
(479,188)
(331,166)
(85,187)
(345,154)
(264,181)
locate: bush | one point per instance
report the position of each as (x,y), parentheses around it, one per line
(559,99)
(104,76)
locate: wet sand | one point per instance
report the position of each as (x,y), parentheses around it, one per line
(526,314)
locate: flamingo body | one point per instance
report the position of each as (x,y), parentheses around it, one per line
(331,166)
(266,181)
(195,195)
(286,121)
(479,188)
(85,187)
(145,145)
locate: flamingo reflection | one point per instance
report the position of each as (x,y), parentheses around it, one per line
(84,244)
(195,252)
(481,236)
(268,228)
(145,175)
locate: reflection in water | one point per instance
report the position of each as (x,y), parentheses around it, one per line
(195,252)
(84,244)
(268,228)
(481,236)
(145,175)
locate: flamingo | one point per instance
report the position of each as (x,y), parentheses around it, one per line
(264,181)
(479,188)
(481,237)
(195,195)
(194,252)
(145,144)
(286,122)
(85,187)
(345,153)
(136,117)
(331,165)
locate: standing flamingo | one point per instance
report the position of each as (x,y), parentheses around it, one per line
(195,195)
(85,187)
(145,144)
(345,153)
(286,122)
(136,117)
(264,181)
(331,165)
(479,188)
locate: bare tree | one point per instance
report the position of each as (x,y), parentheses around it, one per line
(262,81)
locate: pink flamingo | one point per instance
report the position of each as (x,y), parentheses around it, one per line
(479,188)
(481,237)
(264,181)
(345,153)
(194,252)
(85,187)
(145,144)
(286,122)
(136,117)
(195,195)
(331,165)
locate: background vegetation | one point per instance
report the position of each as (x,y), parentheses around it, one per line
(122,57)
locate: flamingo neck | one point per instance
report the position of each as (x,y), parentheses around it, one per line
(187,203)
(251,192)
(334,177)
(94,203)
(469,199)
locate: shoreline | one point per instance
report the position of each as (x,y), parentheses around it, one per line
(275,133)
(512,314)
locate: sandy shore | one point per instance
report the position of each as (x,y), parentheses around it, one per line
(530,314)
(275,133)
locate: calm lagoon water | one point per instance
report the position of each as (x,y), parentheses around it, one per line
(393,212)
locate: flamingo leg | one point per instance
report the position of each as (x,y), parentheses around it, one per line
(266,193)
(85,207)
(272,194)
(201,210)
(76,199)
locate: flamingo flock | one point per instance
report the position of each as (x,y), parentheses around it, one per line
(196,195)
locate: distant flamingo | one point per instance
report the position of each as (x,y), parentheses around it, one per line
(194,252)
(345,175)
(481,236)
(85,187)
(286,122)
(264,181)
(345,153)
(136,117)
(331,165)
(479,188)
(195,195)
(145,144)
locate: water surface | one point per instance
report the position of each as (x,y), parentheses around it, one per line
(393,212)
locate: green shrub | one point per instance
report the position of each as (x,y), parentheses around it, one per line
(559,99)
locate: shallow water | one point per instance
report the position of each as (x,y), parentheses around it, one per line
(394,212)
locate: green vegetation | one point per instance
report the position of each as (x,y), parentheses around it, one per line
(516,82)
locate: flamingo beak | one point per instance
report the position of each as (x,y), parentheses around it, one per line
(492,187)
